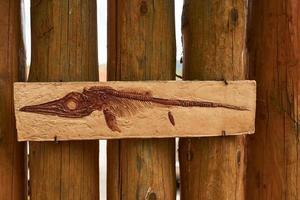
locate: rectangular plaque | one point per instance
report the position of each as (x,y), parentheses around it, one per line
(141,109)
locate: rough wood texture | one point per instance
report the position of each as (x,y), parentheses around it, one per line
(12,171)
(274,53)
(77,111)
(64,48)
(141,46)
(213,38)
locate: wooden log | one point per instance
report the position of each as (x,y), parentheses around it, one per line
(141,46)
(214,49)
(78,111)
(64,48)
(12,153)
(274,53)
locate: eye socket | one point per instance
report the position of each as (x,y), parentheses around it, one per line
(71,104)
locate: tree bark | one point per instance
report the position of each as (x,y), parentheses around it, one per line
(64,48)
(141,46)
(274,53)
(214,49)
(12,153)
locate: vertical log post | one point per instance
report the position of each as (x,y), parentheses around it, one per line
(214,47)
(64,48)
(141,46)
(273,171)
(12,172)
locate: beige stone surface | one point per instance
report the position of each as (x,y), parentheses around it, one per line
(149,122)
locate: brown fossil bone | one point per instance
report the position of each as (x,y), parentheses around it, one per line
(113,103)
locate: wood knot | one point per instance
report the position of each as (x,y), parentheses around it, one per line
(143,7)
(150,195)
(234,16)
(238,158)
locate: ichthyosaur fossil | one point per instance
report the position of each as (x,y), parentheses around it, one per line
(114,103)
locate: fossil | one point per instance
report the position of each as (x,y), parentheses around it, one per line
(114,103)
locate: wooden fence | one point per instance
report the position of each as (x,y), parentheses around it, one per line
(229,40)
(214,49)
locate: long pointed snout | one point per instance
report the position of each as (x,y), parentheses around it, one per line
(51,108)
(73,105)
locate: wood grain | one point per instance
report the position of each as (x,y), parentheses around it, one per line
(274,53)
(141,46)
(214,49)
(12,153)
(64,48)
(134,116)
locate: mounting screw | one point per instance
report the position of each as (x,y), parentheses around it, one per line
(223,133)
(55,140)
